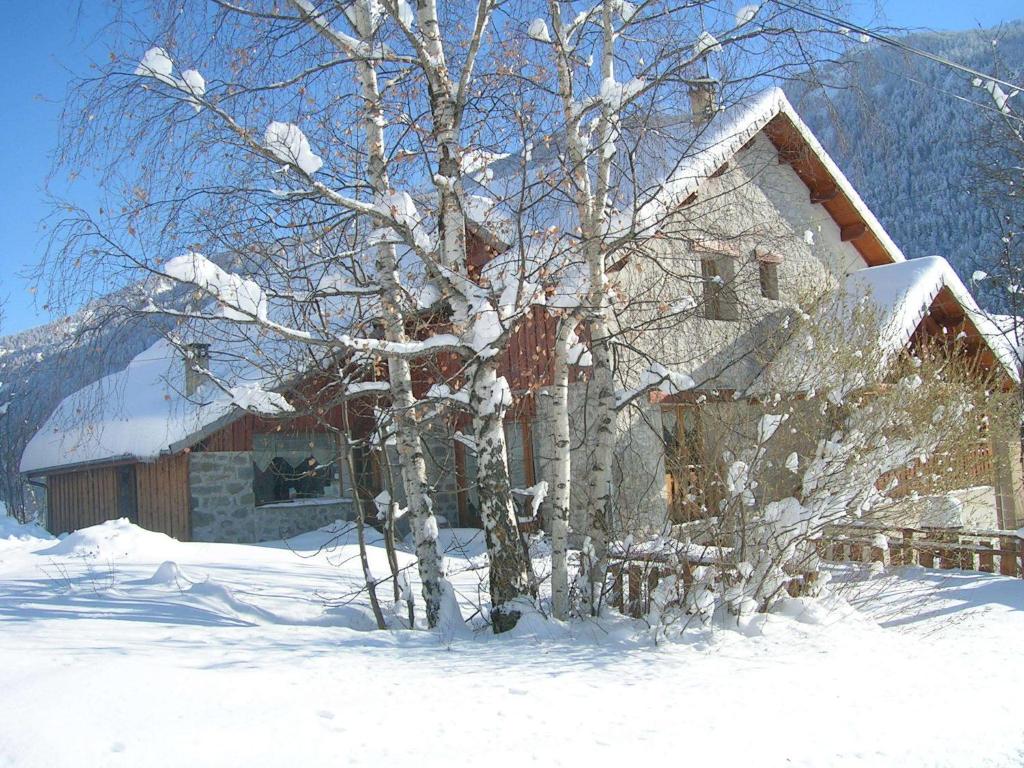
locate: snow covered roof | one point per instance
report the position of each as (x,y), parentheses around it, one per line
(909,290)
(671,158)
(142,411)
(897,298)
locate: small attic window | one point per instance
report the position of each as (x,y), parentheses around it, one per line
(769,280)
(718,273)
(768,271)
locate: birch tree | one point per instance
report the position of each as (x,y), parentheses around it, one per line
(364,18)
(665,50)
(178,116)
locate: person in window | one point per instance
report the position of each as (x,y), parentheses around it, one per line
(311,479)
(274,483)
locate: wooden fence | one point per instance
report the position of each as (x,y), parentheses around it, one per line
(971,550)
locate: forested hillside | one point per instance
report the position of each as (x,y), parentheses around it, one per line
(899,127)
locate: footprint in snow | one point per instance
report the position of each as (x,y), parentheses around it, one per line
(117,746)
(325,714)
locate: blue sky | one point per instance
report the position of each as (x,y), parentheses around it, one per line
(45,42)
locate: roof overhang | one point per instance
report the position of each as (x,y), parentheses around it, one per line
(828,187)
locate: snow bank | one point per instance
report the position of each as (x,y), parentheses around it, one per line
(12,530)
(167,575)
(114,540)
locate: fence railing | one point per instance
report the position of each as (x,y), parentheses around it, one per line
(987,551)
(636,572)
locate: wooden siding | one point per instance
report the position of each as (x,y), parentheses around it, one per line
(163,496)
(83,498)
(236,436)
(90,496)
(528,358)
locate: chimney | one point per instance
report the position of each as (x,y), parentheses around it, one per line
(197,356)
(703,99)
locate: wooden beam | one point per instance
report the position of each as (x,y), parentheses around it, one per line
(819,196)
(789,155)
(852,231)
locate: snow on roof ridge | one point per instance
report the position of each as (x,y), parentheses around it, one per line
(941,275)
(734,126)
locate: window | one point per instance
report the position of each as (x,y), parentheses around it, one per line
(768,269)
(685,470)
(718,273)
(769,279)
(293,467)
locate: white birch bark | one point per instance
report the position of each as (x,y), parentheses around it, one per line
(407,428)
(591,203)
(509,569)
(561,464)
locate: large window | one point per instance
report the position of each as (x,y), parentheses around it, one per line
(288,468)
(685,468)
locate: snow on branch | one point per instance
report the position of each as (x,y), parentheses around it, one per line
(616,95)
(399,206)
(746,14)
(407,349)
(444,393)
(157,64)
(240,299)
(289,144)
(706,43)
(362,387)
(539,31)
(253,398)
(999,96)
(319,22)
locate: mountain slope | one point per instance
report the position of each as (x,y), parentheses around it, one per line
(900,129)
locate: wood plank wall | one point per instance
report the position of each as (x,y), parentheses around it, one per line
(89,496)
(164,498)
(80,499)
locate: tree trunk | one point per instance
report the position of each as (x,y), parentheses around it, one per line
(371,582)
(509,571)
(599,479)
(561,474)
(407,428)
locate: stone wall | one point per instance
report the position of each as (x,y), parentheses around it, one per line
(224,507)
(222,497)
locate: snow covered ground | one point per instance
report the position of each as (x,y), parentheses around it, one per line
(121,647)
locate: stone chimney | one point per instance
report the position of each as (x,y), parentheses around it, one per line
(703,99)
(197,356)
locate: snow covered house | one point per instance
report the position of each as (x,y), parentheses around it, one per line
(779,230)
